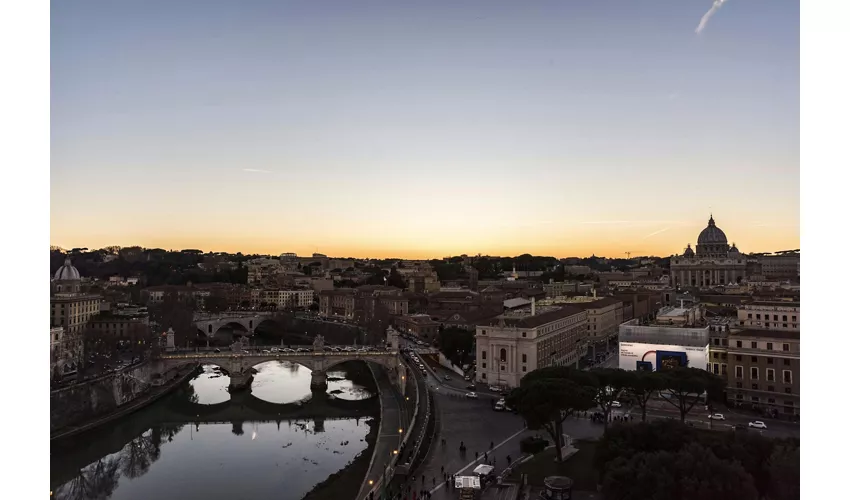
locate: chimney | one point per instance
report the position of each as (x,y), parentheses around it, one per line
(533,306)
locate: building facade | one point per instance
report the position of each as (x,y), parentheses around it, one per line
(770,315)
(509,346)
(420,325)
(70,308)
(714,263)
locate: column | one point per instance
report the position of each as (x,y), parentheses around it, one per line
(689,277)
(318,381)
(240,381)
(725,276)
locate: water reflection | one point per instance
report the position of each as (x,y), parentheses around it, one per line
(154,453)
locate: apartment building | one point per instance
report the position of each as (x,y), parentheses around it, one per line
(770,315)
(287,298)
(420,325)
(604,317)
(511,345)
(761,367)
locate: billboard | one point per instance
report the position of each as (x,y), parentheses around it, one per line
(654,357)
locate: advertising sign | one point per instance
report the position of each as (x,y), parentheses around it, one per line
(654,357)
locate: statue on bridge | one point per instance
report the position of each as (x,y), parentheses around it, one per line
(318,343)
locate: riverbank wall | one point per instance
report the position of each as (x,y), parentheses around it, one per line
(84,406)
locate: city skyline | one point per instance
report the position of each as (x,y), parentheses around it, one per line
(418,131)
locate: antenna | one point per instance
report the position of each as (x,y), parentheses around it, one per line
(628,255)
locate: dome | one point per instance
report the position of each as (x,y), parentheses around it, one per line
(67,272)
(689,252)
(711,235)
(734,249)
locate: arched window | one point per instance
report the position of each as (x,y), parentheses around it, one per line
(503,355)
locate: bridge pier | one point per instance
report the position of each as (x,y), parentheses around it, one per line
(318,381)
(240,381)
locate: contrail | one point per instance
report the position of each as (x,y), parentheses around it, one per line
(650,235)
(714,8)
(257,170)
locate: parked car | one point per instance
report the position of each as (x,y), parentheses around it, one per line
(758,424)
(266,351)
(615,404)
(447,377)
(741,427)
(471,387)
(216,350)
(717,416)
(471,395)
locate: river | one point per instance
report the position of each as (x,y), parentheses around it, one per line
(276,441)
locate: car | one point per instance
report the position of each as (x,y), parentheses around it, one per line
(741,427)
(493,388)
(758,424)
(275,349)
(303,349)
(716,416)
(266,351)
(216,350)
(615,404)
(287,349)
(447,377)
(471,387)
(467,378)
(471,395)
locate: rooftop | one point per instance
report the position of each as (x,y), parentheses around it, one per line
(599,303)
(529,321)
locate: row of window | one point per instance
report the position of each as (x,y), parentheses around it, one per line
(775,317)
(787,375)
(755,387)
(503,356)
(755,345)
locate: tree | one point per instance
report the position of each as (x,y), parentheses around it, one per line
(544,403)
(784,472)
(395,279)
(215,303)
(693,472)
(609,382)
(641,386)
(685,387)
(177,312)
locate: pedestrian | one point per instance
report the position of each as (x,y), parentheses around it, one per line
(434,481)
(476,455)
(423,478)
(491,445)
(485,456)
(509,460)
(443,470)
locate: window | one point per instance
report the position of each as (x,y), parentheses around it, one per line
(483,355)
(483,332)
(784,325)
(523,358)
(755,399)
(716,341)
(786,377)
(738,357)
(754,373)
(714,355)
(770,346)
(755,387)
(715,368)
(754,359)
(739,372)
(483,376)
(758,316)
(786,362)
(723,368)
(754,345)
(750,316)
(523,368)
(483,365)
(786,347)
(769,361)
(739,344)
(503,367)
(503,355)
(739,385)
(784,317)
(771,388)
(787,390)
(793,318)
(770,375)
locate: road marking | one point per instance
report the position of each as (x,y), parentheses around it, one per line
(480,457)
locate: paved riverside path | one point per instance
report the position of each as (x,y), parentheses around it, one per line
(388,436)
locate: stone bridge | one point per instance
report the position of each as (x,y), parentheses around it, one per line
(209,324)
(238,364)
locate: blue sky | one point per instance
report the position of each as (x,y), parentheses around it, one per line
(423,128)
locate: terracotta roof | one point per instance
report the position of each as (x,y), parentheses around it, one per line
(599,303)
(537,319)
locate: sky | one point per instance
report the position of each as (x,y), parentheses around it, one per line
(422,129)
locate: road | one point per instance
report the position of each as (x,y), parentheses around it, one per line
(388,438)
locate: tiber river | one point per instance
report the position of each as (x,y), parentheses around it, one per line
(248,447)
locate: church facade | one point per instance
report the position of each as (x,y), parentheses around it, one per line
(714,263)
